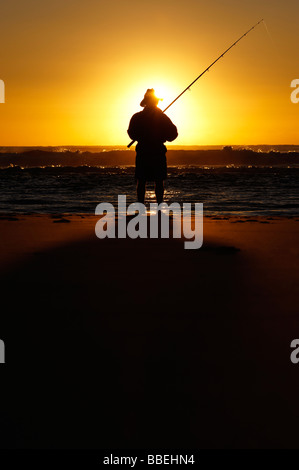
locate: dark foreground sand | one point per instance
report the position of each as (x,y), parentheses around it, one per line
(142,344)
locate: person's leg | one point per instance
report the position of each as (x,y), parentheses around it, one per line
(141,190)
(159,190)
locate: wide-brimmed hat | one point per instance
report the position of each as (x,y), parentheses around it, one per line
(150,98)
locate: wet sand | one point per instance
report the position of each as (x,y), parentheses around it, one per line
(142,344)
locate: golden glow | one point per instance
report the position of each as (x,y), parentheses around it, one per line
(165,93)
(75,71)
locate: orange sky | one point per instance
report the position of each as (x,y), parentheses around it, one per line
(76,70)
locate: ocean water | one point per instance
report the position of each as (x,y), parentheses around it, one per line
(229,190)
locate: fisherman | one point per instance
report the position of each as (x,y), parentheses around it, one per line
(151,128)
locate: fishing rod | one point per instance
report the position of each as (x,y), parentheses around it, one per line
(206,70)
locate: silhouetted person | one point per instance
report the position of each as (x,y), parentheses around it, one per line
(151,128)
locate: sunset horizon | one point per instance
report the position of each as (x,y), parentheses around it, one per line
(72,78)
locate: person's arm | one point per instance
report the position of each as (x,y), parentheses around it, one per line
(133,130)
(170,129)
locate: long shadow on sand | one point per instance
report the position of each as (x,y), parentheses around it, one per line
(131,344)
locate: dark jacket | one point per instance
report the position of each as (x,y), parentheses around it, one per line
(151,128)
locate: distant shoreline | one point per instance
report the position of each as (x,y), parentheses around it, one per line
(108,148)
(101,156)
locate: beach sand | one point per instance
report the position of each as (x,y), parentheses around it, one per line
(142,344)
